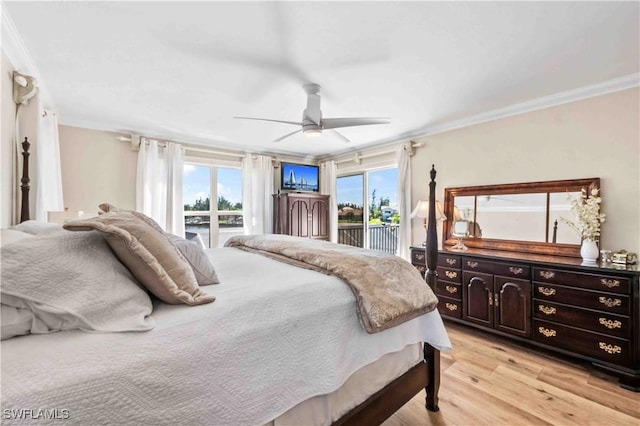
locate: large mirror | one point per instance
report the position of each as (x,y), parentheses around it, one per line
(522,217)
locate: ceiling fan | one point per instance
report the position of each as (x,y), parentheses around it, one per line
(312,122)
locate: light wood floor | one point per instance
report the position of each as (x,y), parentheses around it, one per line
(488,380)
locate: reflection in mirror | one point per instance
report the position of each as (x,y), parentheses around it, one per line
(460,229)
(520,217)
(464,210)
(560,206)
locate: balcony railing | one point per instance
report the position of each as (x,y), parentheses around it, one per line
(381,237)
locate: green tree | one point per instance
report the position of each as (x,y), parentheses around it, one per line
(223,203)
(374,211)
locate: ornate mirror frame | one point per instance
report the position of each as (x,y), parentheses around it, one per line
(556,249)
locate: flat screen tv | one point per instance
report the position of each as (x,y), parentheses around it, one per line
(299,177)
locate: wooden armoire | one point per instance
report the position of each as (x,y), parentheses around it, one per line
(301,215)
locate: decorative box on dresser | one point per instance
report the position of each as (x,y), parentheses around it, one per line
(301,215)
(588,311)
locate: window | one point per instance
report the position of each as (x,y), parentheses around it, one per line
(215,223)
(369,221)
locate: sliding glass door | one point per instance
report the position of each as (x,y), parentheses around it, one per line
(351,210)
(368,210)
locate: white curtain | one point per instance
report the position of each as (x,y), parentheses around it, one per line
(403,156)
(159,184)
(329,186)
(257,188)
(48,172)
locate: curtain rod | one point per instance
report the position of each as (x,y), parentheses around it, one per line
(357,157)
(136,140)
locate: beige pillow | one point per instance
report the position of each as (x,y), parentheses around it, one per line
(194,254)
(150,257)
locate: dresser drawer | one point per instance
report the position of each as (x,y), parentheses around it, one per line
(605,348)
(612,325)
(449,274)
(607,283)
(611,303)
(421,269)
(450,307)
(448,289)
(418,257)
(449,261)
(502,269)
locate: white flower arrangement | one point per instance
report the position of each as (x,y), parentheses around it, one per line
(586,209)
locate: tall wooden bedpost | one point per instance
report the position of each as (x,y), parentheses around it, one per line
(431,355)
(431,248)
(24,182)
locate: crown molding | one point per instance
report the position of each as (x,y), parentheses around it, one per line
(610,86)
(17,53)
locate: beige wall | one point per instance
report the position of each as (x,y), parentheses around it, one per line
(96,168)
(596,137)
(7,133)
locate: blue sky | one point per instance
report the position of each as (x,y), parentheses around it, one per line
(385,183)
(196,183)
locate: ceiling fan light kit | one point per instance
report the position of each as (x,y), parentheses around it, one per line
(312,122)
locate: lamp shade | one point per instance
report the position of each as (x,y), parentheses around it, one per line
(422,211)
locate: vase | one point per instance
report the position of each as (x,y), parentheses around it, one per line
(589,251)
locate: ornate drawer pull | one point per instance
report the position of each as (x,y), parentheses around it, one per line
(610,349)
(451,306)
(472,264)
(451,289)
(516,271)
(450,261)
(609,303)
(610,283)
(547,310)
(419,256)
(547,332)
(547,291)
(610,323)
(451,274)
(547,274)
(420,268)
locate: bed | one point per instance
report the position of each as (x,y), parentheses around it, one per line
(280,345)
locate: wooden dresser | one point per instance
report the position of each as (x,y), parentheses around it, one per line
(301,215)
(590,312)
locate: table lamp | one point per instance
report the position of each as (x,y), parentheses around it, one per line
(422,211)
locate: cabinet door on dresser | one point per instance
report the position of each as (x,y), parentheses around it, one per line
(512,301)
(497,295)
(477,297)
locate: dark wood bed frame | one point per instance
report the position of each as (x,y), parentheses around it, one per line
(381,405)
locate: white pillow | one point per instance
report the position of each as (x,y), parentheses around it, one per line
(8,236)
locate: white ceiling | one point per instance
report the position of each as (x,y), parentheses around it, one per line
(182,70)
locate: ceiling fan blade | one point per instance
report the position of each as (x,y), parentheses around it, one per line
(334,123)
(340,135)
(268,119)
(287,135)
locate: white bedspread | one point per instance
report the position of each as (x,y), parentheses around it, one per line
(276,336)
